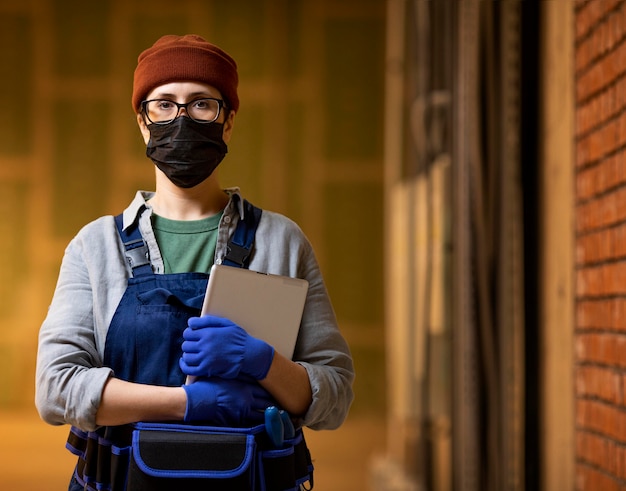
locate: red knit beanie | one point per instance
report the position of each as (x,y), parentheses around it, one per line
(185,58)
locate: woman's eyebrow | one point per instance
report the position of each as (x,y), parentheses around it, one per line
(167,95)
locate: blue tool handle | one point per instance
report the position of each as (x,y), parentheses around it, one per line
(274,426)
(289,430)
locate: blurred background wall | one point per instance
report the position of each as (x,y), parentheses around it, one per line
(308,143)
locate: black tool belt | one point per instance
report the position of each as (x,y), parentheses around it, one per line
(161,456)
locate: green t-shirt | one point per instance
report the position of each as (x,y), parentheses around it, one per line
(186,246)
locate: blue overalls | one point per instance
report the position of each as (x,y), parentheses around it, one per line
(143,344)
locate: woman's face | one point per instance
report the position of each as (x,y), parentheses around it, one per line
(183,92)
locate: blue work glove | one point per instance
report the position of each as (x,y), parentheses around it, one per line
(226,402)
(217,347)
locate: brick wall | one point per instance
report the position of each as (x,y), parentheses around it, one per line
(600,337)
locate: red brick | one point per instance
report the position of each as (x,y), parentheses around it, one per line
(584,217)
(587,17)
(602,418)
(620,462)
(584,55)
(588,281)
(608,173)
(600,452)
(589,313)
(598,144)
(620,165)
(589,82)
(599,382)
(595,247)
(591,448)
(604,211)
(585,185)
(611,30)
(618,314)
(619,195)
(583,22)
(580,159)
(618,241)
(611,136)
(619,93)
(592,214)
(608,70)
(609,167)
(621,49)
(619,432)
(621,130)
(585,346)
(606,348)
(588,116)
(601,280)
(589,479)
(590,147)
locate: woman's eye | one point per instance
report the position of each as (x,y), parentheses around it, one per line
(201,105)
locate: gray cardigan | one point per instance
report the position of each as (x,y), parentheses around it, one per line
(70,376)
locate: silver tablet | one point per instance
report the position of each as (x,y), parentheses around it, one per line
(267,306)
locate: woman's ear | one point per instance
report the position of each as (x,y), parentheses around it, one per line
(145,132)
(228,126)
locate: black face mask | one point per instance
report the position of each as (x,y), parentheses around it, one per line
(186,151)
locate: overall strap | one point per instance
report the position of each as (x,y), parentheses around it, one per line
(240,244)
(136,249)
(237,252)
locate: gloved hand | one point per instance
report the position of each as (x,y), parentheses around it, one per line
(217,347)
(226,402)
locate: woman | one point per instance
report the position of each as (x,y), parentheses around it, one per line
(115,349)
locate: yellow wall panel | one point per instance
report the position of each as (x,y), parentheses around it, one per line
(70,150)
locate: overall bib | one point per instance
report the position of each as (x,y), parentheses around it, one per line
(144,340)
(143,344)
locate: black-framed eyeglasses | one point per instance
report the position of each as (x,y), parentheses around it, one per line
(164,111)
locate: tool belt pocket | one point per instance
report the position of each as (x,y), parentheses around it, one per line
(168,457)
(102,464)
(287,468)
